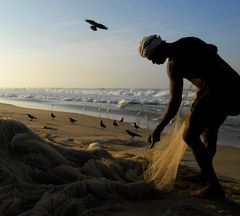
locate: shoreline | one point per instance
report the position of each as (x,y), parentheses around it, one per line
(87,130)
(228,134)
(97,110)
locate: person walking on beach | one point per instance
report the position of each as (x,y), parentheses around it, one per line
(218,97)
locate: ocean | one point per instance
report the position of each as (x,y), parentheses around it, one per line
(143,106)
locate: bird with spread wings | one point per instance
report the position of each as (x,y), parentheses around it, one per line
(94,25)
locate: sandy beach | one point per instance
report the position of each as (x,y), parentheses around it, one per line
(73,179)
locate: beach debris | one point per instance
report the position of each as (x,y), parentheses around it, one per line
(94,145)
(31,117)
(133,134)
(95,25)
(115,123)
(102,124)
(53,116)
(48,127)
(135,125)
(45,127)
(72,120)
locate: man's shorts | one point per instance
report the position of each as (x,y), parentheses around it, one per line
(217,101)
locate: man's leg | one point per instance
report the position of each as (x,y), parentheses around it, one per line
(204,161)
(210,136)
(202,117)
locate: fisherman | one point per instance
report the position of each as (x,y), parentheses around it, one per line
(218,97)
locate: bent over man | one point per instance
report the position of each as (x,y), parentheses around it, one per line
(197,61)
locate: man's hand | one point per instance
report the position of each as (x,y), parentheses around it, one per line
(154,137)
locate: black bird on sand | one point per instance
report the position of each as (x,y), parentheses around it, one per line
(115,123)
(132,134)
(72,120)
(135,125)
(122,119)
(102,124)
(53,116)
(31,117)
(95,25)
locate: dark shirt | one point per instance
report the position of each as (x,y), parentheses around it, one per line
(200,63)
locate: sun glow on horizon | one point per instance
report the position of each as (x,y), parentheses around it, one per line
(60,50)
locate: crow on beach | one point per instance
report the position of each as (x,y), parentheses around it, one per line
(115,123)
(72,120)
(132,134)
(102,124)
(53,116)
(135,125)
(31,117)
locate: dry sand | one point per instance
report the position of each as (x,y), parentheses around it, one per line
(74,137)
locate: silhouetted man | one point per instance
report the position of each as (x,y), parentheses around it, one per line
(198,62)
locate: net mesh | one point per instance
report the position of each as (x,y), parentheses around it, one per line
(38,177)
(164,158)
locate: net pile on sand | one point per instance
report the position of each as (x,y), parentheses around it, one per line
(38,178)
(164,159)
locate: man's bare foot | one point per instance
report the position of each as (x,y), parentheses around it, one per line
(210,193)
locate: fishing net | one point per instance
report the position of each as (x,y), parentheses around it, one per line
(163,160)
(41,178)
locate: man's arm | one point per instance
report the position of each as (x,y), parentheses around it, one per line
(175,89)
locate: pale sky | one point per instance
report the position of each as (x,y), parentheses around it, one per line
(47,43)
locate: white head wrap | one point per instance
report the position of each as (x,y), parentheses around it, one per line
(149,44)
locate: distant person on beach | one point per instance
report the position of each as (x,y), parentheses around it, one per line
(218,97)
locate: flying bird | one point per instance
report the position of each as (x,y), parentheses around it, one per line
(95,25)
(102,124)
(72,120)
(122,119)
(31,117)
(132,134)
